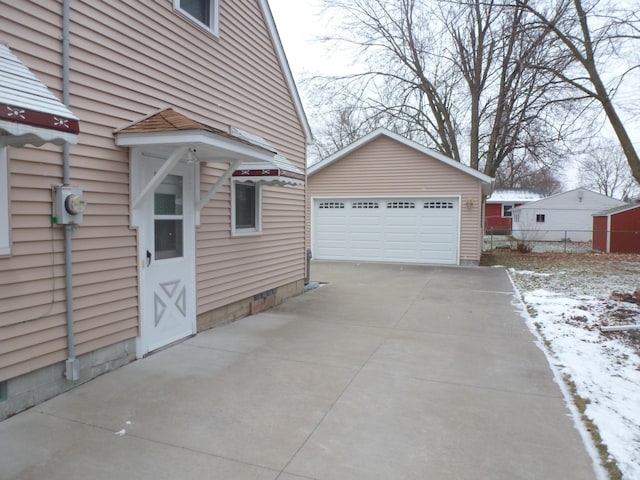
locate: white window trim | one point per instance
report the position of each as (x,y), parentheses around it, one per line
(5,237)
(507,205)
(213,20)
(246,232)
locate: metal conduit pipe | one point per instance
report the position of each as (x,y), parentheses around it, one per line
(72,366)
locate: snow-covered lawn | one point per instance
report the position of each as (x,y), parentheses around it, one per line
(569,297)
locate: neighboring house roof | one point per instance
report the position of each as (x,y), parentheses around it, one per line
(271,25)
(514,195)
(29,112)
(383,132)
(620,209)
(553,198)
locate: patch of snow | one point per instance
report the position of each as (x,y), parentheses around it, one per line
(604,370)
(533,274)
(513,195)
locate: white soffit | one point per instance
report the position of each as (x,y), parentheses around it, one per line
(29,112)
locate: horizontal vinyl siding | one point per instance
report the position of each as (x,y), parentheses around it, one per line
(32,329)
(233,268)
(129,59)
(385,167)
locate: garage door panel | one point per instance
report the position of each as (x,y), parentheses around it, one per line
(387,229)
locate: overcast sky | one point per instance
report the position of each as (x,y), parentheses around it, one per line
(300,24)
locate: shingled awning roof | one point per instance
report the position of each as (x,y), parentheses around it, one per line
(170,129)
(29,112)
(168,120)
(257,160)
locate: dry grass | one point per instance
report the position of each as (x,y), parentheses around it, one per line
(581,275)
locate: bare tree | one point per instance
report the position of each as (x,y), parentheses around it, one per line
(596,38)
(605,169)
(523,173)
(453,74)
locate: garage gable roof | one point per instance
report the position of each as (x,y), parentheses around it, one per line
(383,132)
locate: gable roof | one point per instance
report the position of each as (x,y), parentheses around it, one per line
(29,112)
(614,210)
(515,195)
(383,132)
(537,203)
(282,57)
(168,120)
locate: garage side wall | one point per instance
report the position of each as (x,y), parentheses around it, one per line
(384,167)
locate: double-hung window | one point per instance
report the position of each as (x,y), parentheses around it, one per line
(246,209)
(5,240)
(203,12)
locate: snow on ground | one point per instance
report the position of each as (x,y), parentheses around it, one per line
(569,298)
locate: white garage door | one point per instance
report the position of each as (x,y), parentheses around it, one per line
(405,230)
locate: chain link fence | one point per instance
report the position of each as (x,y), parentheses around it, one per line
(568,241)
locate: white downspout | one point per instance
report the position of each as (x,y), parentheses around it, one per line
(72,366)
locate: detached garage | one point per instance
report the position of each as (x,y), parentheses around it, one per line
(385,198)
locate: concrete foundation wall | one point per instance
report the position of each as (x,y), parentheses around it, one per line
(469,263)
(35,387)
(249,306)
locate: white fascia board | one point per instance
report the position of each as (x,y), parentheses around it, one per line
(224,148)
(286,69)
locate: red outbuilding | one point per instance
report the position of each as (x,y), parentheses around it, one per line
(497,208)
(617,230)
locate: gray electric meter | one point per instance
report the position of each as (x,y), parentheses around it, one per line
(69,204)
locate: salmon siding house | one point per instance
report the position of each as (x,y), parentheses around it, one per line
(177,200)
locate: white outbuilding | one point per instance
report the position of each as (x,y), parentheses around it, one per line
(567,215)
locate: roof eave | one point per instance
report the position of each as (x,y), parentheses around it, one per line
(212,147)
(282,57)
(405,141)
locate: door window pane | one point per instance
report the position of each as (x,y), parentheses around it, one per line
(168,219)
(168,196)
(168,235)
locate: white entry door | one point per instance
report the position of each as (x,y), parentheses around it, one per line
(167,252)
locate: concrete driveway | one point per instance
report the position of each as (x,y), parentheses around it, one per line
(387,372)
